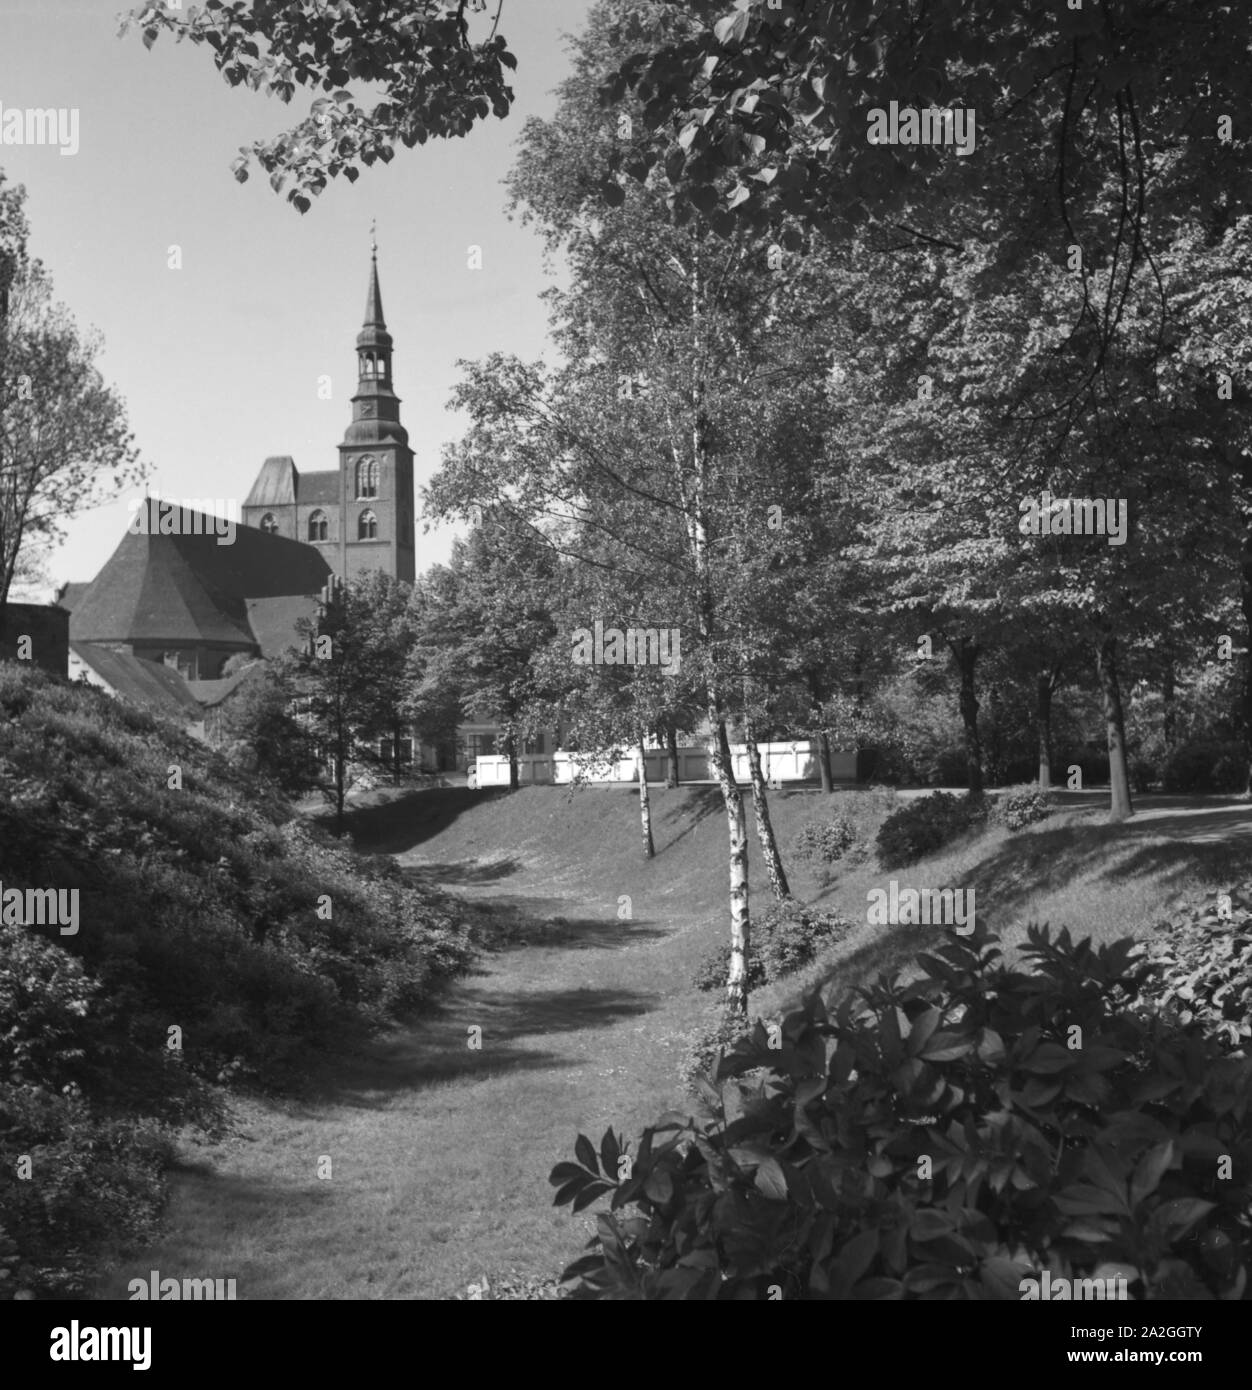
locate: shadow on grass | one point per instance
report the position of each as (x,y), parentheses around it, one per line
(398,825)
(439,1050)
(1048,861)
(464,871)
(698,805)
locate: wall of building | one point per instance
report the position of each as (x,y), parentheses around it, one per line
(48,629)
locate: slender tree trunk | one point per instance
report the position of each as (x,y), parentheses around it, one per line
(1169,702)
(1119,782)
(510,748)
(764,826)
(645,810)
(1043,726)
(965,654)
(824,770)
(341,785)
(823,761)
(395,751)
(673,773)
(740,919)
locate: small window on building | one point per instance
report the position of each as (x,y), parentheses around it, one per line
(269,524)
(367,527)
(319,527)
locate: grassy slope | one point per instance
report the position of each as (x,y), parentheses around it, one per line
(441,1153)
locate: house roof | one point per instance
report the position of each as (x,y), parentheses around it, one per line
(318,487)
(70,595)
(210,693)
(187,589)
(275,484)
(147,683)
(273,621)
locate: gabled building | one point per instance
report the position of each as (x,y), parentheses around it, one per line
(169,610)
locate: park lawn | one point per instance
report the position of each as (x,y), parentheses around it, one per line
(439,1152)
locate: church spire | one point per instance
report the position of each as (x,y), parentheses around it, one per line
(374,299)
(375,406)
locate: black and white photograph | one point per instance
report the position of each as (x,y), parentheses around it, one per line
(625,671)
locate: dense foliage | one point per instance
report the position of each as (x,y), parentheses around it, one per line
(1203,958)
(784,940)
(922,826)
(945,1138)
(219,943)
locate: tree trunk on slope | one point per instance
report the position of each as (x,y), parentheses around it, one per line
(645,810)
(1115,726)
(1043,726)
(764,826)
(510,749)
(965,654)
(740,919)
(672,770)
(1169,702)
(823,761)
(823,741)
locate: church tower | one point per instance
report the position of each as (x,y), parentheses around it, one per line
(375,462)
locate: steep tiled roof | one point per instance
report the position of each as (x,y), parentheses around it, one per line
(70,595)
(273,621)
(146,683)
(187,589)
(275,483)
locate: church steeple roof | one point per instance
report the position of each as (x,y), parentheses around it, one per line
(374,301)
(375,406)
(374,330)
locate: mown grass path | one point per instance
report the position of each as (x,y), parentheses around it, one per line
(439,1153)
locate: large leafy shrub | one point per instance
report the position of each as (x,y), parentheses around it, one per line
(948,1137)
(924,825)
(1202,956)
(92,1179)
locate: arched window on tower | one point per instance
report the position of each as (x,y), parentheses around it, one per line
(367,476)
(268,524)
(367,527)
(319,527)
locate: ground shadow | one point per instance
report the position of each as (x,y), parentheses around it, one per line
(698,805)
(463,871)
(438,1050)
(397,825)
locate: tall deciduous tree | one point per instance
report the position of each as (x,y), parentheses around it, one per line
(64,443)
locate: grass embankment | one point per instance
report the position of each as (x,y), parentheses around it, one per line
(441,1152)
(208,943)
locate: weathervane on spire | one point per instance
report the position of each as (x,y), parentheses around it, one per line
(373,238)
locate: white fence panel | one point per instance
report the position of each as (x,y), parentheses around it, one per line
(782,762)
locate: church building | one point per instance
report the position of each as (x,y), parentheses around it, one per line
(359,516)
(166,613)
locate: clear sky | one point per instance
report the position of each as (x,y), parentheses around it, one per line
(219,362)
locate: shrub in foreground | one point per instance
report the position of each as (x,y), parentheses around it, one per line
(945,1138)
(1202,959)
